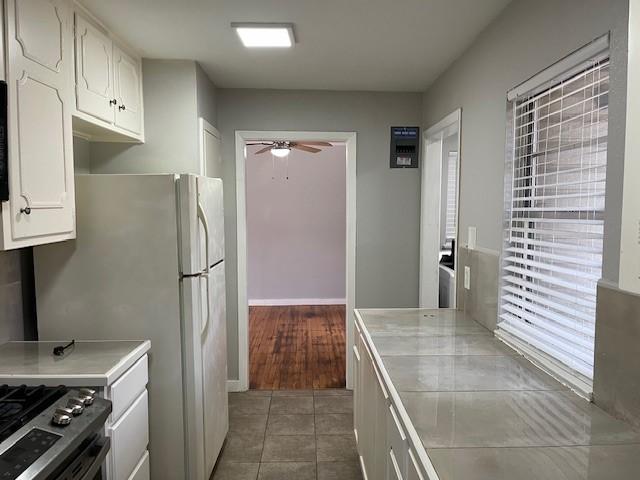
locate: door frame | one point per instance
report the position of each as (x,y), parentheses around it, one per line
(241,138)
(430,206)
(205,126)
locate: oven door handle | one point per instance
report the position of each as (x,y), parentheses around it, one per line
(96,464)
(98,460)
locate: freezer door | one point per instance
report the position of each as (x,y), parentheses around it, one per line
(201,223)
(214,365)
(210,199)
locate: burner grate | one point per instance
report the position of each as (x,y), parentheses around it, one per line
(20,404)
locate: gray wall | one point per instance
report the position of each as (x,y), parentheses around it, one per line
(17,299)
(81,155)
(11,322)
(176,92)
(387,200)
(526,38)
(296,226)
(205,97)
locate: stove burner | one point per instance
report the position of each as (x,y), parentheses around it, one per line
(9,409)
(20,404)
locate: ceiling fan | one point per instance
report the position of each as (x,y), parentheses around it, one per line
(281,148)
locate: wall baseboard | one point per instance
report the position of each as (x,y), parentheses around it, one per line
(234,386)
(275,302)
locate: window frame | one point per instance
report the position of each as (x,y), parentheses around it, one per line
(582,60)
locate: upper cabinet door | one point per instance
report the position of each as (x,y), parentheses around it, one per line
(41,205)
(127,91)
(94,71)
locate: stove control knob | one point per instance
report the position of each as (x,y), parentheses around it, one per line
(76,405)
(87,395)
(88,392)
(62,416)
(86,400)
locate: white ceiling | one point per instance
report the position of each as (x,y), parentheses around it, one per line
(384,45)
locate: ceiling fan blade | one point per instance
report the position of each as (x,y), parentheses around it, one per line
(305,148)
(319,144)
(259,143)
(265,149)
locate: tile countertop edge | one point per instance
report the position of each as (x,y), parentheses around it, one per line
(414,438)
(84,380)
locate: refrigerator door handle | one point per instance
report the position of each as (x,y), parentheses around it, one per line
(203,218)
(207,317)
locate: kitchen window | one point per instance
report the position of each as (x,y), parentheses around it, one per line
(554,219)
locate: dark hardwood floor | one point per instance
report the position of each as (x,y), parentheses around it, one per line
(297,347)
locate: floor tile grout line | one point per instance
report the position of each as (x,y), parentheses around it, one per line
(315,435)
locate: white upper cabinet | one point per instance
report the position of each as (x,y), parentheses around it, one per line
(94,71)
(108,83)
(127,76)
(39,79)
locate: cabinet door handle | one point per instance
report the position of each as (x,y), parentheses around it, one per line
(26,210)
(121,107)
(113,102)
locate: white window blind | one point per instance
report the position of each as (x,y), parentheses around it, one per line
(554,222)
(452,197)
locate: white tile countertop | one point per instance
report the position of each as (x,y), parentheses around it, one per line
(477,410)
(87,363)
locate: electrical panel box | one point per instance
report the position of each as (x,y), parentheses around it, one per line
(405,147)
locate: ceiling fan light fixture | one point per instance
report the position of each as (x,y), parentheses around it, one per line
(280,151)
(265,35)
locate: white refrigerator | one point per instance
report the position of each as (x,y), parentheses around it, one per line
(148,263)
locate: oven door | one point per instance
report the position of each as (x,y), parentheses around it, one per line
(87,461)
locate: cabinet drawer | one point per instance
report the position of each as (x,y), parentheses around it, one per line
(141,472)
(363,468)
(393,469)
(129,438)
(128,387)
(413,468)
(397,440)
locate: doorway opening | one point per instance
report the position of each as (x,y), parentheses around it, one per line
(439,214)
(296,259)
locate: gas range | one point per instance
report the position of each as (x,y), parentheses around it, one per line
(49,433)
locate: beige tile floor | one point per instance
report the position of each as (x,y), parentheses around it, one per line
(295,434)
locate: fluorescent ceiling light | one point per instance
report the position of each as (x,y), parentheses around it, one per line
(265,35)
(280,151)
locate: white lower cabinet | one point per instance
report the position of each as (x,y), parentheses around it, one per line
(370,415)
(141,472)
(382,442)
(393,469)
(413,468)
(397,445)
(128,425)
(130,437)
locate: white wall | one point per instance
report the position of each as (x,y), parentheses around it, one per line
(296,227)
(527,37)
